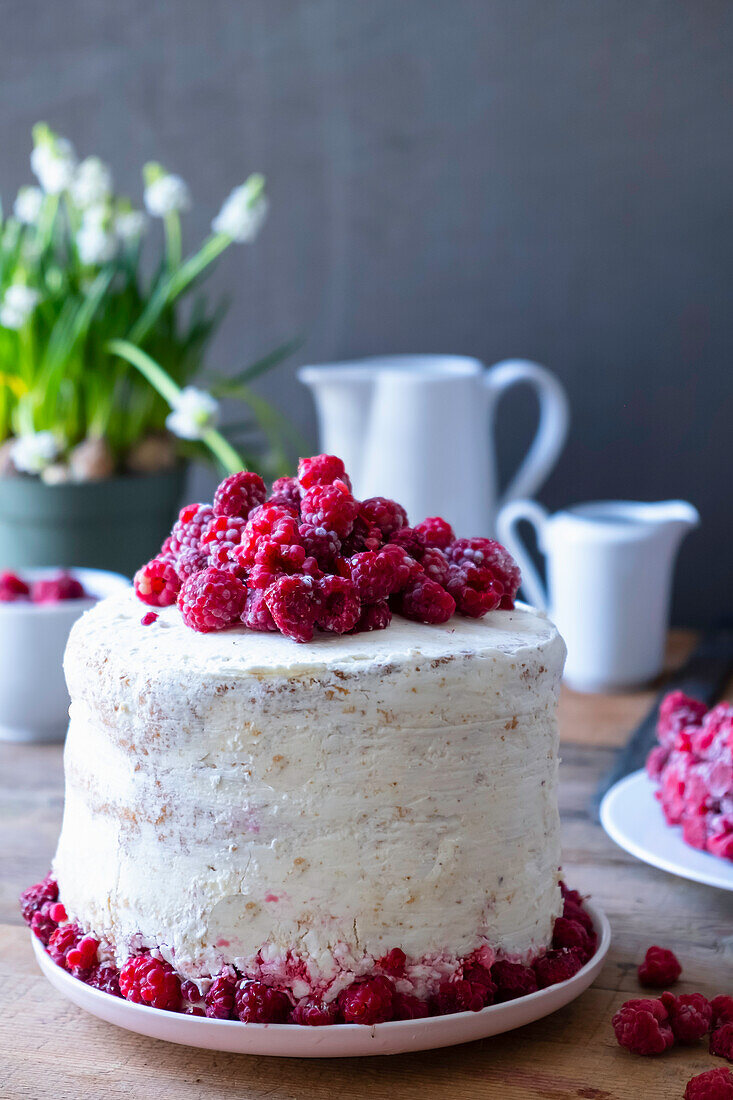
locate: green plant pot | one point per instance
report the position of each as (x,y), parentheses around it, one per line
(115,524)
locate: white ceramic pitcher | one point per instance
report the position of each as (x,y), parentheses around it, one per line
(609,582)
(419,428)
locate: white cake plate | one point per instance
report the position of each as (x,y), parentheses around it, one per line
(338,1040)
(633,818)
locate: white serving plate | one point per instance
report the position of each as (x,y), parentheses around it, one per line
(633,818)
(338,1040)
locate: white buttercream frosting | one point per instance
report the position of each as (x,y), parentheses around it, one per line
(299,810)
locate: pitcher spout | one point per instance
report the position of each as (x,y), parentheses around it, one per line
(675,514)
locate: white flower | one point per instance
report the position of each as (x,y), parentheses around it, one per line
(166,194)
(243,212)
(130,224)
(194,412)
(31,454)
(27,206)
(18,303)
(95,242)
(53,160)
(92,183)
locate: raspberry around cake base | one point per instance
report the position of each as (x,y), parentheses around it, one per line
(338,1040)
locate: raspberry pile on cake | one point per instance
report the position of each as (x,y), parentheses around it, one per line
(312,557)
(693,767)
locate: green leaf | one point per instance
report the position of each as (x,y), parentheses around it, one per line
(229,385)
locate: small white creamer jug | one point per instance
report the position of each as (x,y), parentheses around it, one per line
(609,582)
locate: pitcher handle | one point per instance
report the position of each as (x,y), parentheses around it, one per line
(506,523)
(553,425)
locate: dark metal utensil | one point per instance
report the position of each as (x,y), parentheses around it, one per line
(703,675)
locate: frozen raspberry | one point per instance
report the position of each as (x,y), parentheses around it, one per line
(33,898)
(368,1002)
(106,977)
(425,601)
(435,565)
(83,956)
(157,583)
(321,544)
(220,538)
(489,554)
(373,575)
(149,618)
(557,966)
(63,940)
(322,470)
(269,522)
(512,980)
(410,540)
(458,996)
(571,933)
(721,845)
(721,1041)
(286,490)
(408,1007)
(642,1026)
(148,981)
(189,527)
(570,895)
(660,968)
(722,1008)
(56,589)
(193,1010)
(256,614)
(479,975)
(689,1015)
(655,761)
(257,1003)
(293,604)
(42,922)
(219,999)
(714,1084)
(12,588)
(393,963)
(474,590)
(239,494)
(330,506)
(436,532)
(276,559)
(387,515)
(190,561)
(374,616)
(211,600)
(364,536)
(338,605)
(676,712)
(314,1013)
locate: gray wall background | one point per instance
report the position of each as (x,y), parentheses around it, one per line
(543,178)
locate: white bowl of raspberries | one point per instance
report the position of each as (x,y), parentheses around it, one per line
(38,607)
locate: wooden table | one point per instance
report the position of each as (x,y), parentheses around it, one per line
(50,1049)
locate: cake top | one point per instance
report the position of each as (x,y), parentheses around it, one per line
(311,557)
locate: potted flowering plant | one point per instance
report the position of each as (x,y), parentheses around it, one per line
(99,350)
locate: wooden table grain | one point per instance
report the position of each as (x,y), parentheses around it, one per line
(50,1049)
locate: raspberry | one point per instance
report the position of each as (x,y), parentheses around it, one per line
(193,1010)
(256,614)
(557,966)
(293,604)
(436,532)
(689,1015)
(474,590)
(478,975)
(314,1013)
(149,618)
(512,980)
(393,963)
(270,522)
(211,600)
(321,544)
(458,996)
(157,583)
(368,1002)
(387,515)
(655,761)
(105,977)
(219,999)
(374,616)
(571,933)
(62,941)
(364,536)
(148,981)
(407,1007)
(373,575)
(220,538)
(642,1026)
(714,1084)
(489,554)
(435,565)
(722,1007)
(676,712)
(12,588)
(33,898)
(572,911)
(570,895)
(83,956)
(410,540)
(286,490)
(721,1041)
(55,589)
(239,494)
(321,470)
(190,561)
(275,559)
(660,968)
(257,1003)
(338,605)
(401,567)
(42,922)
(190,526)
(330,506)
(424,601)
